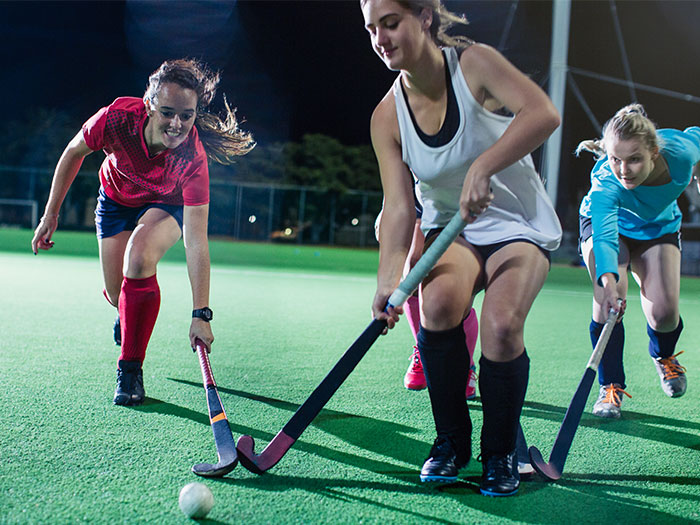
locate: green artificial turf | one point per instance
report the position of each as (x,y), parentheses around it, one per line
(283,317)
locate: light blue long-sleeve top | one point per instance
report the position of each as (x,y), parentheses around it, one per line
(642,213)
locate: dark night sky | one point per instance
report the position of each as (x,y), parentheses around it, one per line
(292,67)
(296,67)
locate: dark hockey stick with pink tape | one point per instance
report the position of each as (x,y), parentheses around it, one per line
(305,414)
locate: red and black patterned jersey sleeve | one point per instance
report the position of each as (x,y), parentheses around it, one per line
(93,130)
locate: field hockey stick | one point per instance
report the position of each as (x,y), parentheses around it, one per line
(305,414)
(225,444)
(553,470)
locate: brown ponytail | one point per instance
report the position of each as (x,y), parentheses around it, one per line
(222,139)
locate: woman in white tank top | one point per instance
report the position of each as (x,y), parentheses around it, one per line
(432,124)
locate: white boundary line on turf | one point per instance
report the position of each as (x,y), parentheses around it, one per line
(630,298)
(350,278)
(302,275)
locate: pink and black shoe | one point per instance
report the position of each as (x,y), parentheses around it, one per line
(415,378)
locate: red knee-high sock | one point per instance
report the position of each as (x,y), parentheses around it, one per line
(412,310)
(471,331)
(139,303)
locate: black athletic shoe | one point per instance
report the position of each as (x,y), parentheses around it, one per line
(117,331)
(500,475)
(443,463)
(129,390)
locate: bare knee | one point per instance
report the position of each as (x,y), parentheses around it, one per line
(139,263)
(502,336)
(441,313)
(663,319)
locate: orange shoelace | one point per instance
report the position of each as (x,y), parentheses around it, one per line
(612,396)
(672,368)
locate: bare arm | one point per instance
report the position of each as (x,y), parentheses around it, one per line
(488,72)
(64,175)
(398,215)
(195,222)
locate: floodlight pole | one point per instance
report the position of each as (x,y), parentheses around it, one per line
(558,69)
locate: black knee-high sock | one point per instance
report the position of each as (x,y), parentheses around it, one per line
(446,362)
(502,387)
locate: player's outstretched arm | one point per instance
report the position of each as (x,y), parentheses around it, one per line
(195,222)
(64,175)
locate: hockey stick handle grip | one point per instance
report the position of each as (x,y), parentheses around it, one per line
(207,375)
(427,261)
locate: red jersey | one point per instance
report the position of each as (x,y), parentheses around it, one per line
(129,175)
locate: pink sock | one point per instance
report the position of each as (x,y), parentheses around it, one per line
(412,310)
(471,331)
(139,303)
(471,324)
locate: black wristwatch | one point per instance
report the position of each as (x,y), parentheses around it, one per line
(205,314)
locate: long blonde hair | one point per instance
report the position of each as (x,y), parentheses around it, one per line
(630,122)
(222,139)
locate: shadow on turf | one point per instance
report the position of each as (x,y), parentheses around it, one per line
(637,424)
(539,506)
(536,502)
(380,437)
(395,443)
(152,405)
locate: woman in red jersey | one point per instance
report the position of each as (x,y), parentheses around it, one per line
(154,188)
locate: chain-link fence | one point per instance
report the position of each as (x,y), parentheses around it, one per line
(244,211)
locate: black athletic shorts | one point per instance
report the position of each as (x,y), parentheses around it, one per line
(487,250)
(585,229)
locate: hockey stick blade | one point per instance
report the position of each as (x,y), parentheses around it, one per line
(553,470)
(305,414)
(223,438)
(562,444)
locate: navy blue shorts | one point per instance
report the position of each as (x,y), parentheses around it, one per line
(585,229)
(112,218)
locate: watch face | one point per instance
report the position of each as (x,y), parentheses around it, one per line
(203,313)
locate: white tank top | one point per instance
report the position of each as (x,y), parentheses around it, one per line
(520,208)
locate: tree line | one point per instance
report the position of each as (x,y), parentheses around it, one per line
(38,140)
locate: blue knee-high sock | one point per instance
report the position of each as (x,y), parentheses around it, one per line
(611,368)
(502,387)
(445,361)
(663,344)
